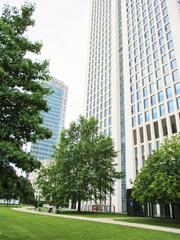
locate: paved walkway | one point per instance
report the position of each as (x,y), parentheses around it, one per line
(103,220)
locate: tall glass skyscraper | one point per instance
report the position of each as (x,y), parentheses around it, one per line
(133,83)
(53,120)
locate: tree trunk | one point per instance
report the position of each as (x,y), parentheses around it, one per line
(79,205)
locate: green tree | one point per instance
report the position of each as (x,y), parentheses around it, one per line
(25,191)
(159,180)
(84,166)
(50,185)
(22,94)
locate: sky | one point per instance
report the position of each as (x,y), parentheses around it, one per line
(62,26)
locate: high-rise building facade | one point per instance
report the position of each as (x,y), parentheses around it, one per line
(133,84)
(53,120)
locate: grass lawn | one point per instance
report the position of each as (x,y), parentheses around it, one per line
(152,221)
(23,226)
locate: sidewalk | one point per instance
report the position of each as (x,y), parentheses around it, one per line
(103,220)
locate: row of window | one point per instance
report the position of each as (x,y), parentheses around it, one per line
(153,99)
(152,131)
(153,114)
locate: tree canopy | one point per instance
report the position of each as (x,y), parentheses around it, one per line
(21,90)
(84,167)
(159,180)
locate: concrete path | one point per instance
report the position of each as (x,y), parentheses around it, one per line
(102,220)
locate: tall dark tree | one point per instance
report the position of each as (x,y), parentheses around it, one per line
(84,166)
(21,90)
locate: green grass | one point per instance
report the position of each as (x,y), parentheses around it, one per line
(152,221)
(25,226)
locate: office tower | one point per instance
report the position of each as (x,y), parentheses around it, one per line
(133,84)
(53,120)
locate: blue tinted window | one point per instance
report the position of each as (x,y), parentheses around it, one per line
(161,96)
(133,109)
(147,116)
(169,92)
(134,121)
(171,107)
(140,118)
(145,92)
(138,95)
(162,110)
(170,44)
(177,87)
(132,98)
(154,113)
(153,100)
(175,75)
(152,87)
(178,103)
(146,103)
(173,64)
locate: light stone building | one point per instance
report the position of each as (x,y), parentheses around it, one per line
(133,79)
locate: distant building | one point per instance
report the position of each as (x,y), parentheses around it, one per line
(53,120)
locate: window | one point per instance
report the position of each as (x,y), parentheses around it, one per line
(159,84)
(157,144)
(150,77)
(139,107)
(157,64)
(153,100)
(154,113)
(152,87)
(177,88)
(166,19)
(148,129)
(140,119)
(141,134)
(161,96)
(158,73)
(162,110)
(173,124)
(165,69)
(163,50)
(178,102)
(138,95)
(143,155)
(170,106)
(175,75)
(145,92)
(156,130)
(147,116)
(169,92)
(164,59)
(135,137)
(172,54)
(170,44)
(134,122)
(150,148)
(132,98)
(110,121)
(167,80)
(164,127)
(173,64)
(136,160)
(133,109)
(146,104)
